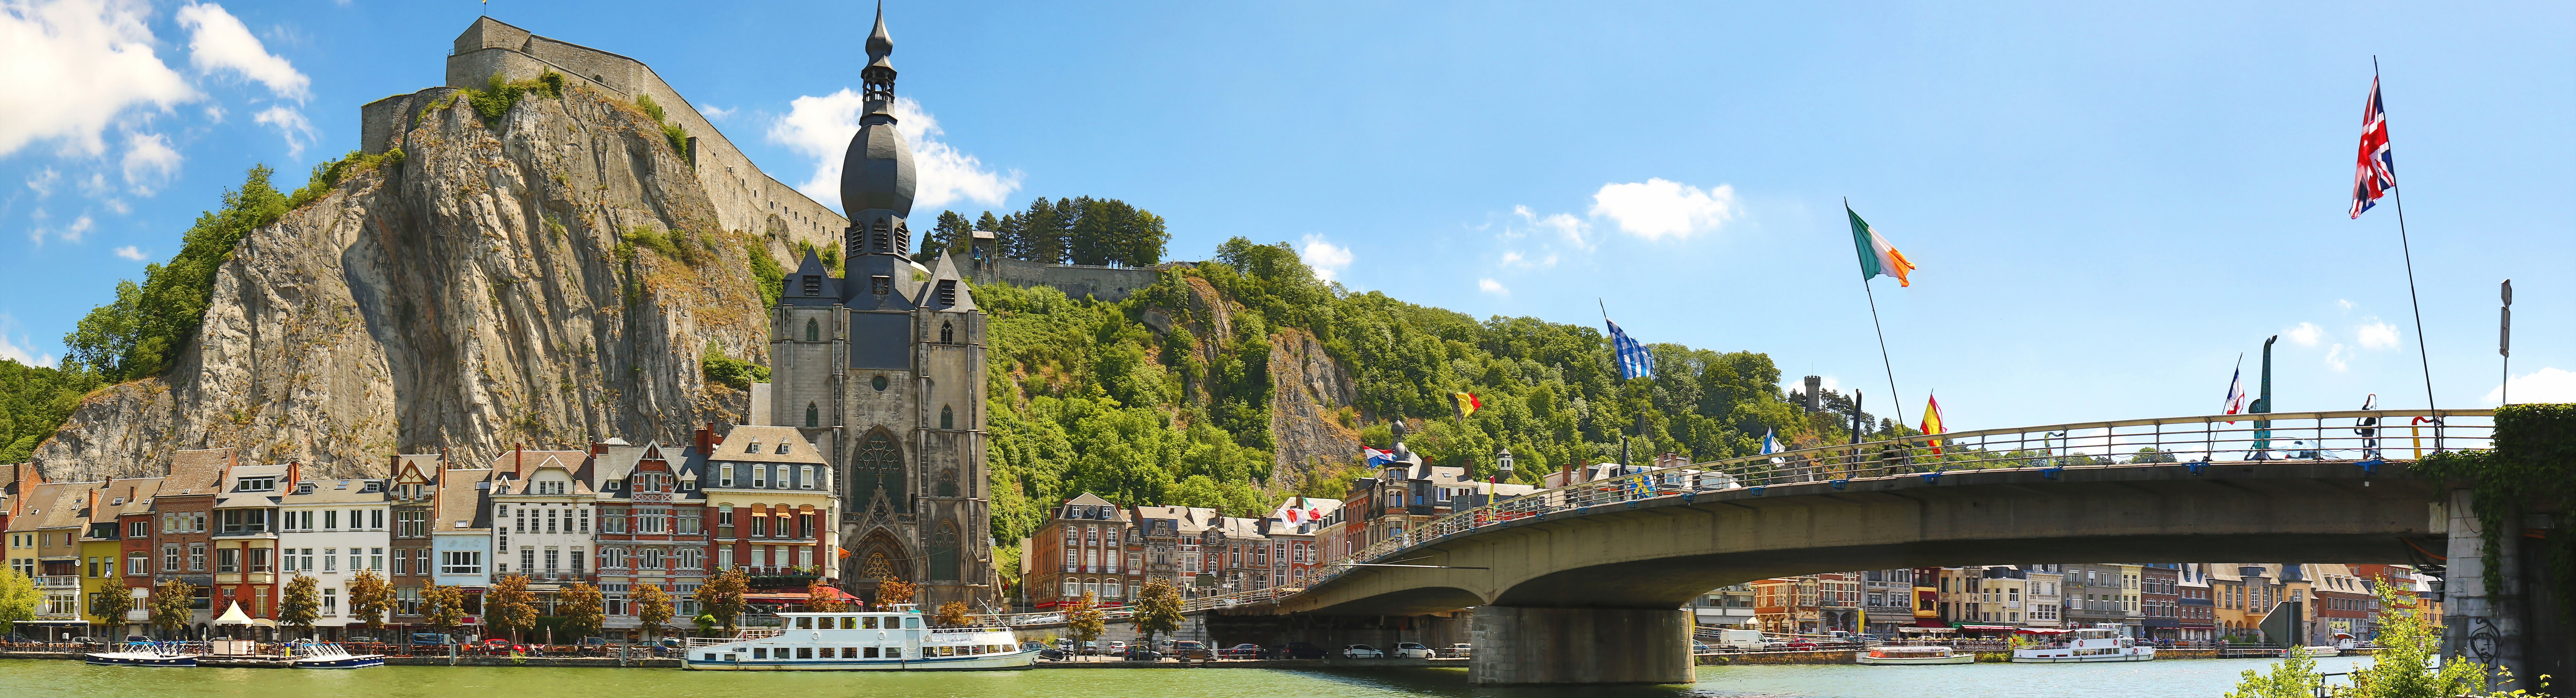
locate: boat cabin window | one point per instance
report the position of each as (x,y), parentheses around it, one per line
(894,653)
(912,622)
(868,622)
(804,624)
(872,653)
(760,653)
(849,622)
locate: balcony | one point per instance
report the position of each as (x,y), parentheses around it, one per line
(71,581)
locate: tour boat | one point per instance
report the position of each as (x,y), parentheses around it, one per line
(2097,644)
(156,654)
(330,655)
(2316,650)
(1915,654)
(861,641)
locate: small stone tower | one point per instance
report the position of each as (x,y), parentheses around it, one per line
(884,368)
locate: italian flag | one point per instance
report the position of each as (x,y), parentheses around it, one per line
(1876,256)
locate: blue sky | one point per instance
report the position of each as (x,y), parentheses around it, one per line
(2108,204)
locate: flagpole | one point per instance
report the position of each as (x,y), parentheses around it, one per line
(2408,248)
(1893,397)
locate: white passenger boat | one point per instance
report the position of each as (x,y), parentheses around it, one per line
(1915,654)
(2086,645)
(861,641)
(153,654)
(330,655)
(2316,650)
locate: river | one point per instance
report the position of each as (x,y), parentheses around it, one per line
(25,678)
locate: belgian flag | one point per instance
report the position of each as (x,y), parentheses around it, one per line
(1465,404)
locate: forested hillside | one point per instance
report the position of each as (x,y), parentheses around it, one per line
(1087,396)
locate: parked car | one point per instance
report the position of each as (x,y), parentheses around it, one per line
(1362,652)
(139,638)
(1243,651)
(1191,649)
(1459,650)
(354,639)
(1064,644)
(1300,650)
(1412,650)
(1091,647)
(1140,654)
(594,642)
(1117,647)
(431,639)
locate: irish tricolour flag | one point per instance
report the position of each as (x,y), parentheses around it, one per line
(1876,256)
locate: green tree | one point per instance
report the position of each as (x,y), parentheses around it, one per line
(949,234)
(442,607)
(652,607)
(111,606)
(173,605)
(707,624)
(1158,610)
(1085,622)
(765,270)
(300,604)
(18,596)
(370,599)
(582,608)
(721,596)
(2408,643)
(508,607)
(144,329)
(2294,677)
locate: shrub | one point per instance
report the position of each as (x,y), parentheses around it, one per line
(648,238)
(765,270)
(499,96)
(730,371)
(330,173)
(671,132)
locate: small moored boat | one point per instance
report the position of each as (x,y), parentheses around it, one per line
(152,654)
(1915,654)
(329,655)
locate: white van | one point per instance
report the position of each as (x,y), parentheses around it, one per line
(1738,639)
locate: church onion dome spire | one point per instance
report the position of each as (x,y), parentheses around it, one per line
(876,171)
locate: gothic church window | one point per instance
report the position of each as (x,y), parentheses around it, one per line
(813,416)
(947,483)
(877,465)
(947,419)
(813,331)
(943,554)
(947,334)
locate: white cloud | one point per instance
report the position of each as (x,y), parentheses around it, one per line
(1657,208)
(821,127)
(215,113)
(1573,230)
(217,41)
(290,124)
(74,232)
(2345,304)
(129,252)
(2377,335)
(149,161)
(44,182)
(1326,258)
(716,113)
(22,349)
(2306,334)
(2338,357)
(73,66)
(1493,287)
(1511,258)
(2544,385)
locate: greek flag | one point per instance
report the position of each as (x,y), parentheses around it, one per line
(1634,360)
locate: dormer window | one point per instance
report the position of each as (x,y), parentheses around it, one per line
(813,284)
(371,486)
(753,447)
(782,448)
(256,484)
(303,488)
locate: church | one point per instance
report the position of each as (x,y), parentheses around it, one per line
(883,368)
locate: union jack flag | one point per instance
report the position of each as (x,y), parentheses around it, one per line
(2375,169)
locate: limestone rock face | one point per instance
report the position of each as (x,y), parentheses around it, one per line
(545,280)
(1311,396)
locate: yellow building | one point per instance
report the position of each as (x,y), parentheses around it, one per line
(100,550)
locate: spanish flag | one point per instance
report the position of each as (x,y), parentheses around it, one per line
(1932,422)
(1465,403)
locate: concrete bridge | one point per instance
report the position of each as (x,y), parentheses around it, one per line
(1585,583)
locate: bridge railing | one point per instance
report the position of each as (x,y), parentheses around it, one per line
(2364,438)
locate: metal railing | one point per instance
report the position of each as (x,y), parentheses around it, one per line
(2363,437)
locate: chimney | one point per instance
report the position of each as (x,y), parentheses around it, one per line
(294,474)
(705,438)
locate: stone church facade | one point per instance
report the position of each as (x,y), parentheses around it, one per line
(884,369)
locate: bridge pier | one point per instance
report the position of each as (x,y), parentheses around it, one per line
(2517,627)
(1540,646)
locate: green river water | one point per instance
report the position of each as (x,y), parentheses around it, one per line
(2174,678)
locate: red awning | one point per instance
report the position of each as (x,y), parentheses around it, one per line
(2041,631)
(1987,627)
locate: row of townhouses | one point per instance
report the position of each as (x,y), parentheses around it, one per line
(2196,602)
(616,516)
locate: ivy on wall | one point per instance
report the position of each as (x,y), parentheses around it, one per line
(2532,465)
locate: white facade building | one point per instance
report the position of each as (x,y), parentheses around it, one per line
(330,530)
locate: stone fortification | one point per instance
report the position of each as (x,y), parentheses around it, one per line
(745,198)
(1104,283)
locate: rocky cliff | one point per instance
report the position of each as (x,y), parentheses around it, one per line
(544,279)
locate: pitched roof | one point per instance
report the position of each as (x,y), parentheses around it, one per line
(232,497)
(427,464)
(460,499)
(947,271)
(52,505)
(615,460)
(519,465)
(759,444)
(138,495)
(198,472)
(336,491)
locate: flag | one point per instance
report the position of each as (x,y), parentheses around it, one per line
(2374,171)
(1376,457)
(1634,360)
(1465,403)
(1770,444)
(2235,393)
(1877,257)
(1932,422)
